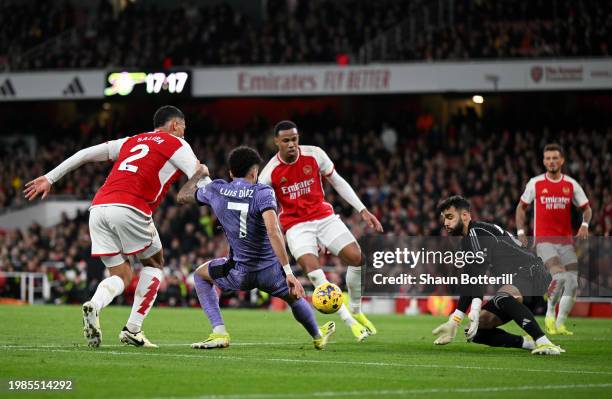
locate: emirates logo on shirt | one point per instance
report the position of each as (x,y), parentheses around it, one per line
(555,202)
(296,190)
(307,169)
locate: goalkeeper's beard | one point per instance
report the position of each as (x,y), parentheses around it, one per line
(458,229)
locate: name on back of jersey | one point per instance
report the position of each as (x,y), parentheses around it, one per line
(298,189)
(157,139)
(242,193)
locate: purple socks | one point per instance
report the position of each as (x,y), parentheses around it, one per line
(304,314)
(209,300)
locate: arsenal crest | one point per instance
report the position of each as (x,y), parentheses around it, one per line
(307,170)
(536,73)
(566,190)
(545,191)
(283,180)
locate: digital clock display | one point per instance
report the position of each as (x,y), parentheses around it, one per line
(126,83)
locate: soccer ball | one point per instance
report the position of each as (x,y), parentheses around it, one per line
(327,298)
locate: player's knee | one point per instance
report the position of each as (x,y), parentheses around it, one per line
(554,265)
(499,298)
(156,260)
(488,320)
(352,255)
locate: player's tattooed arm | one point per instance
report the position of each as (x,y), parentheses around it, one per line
(186,194)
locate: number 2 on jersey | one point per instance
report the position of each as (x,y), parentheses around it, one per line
(142,149)
(244,211)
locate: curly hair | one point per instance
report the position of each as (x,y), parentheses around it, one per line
(242,159)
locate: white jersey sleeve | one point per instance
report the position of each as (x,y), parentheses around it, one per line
(326,166)
(580,199)
(529,193)
(114,146)
(184,159)
(97,153)
(265,176)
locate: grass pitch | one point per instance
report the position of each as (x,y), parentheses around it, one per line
(271,356)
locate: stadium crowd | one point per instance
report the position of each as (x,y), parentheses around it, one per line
(399,172)
(36,34)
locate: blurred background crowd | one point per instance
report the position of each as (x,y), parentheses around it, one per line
(38,34)
(399,171)
(399,154)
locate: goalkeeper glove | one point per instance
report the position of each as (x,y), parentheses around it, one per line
(446,331)
(474,317)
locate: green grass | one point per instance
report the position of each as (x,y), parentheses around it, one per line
(272,356)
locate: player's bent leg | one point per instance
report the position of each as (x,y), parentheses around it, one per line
(489,333)
(521,314)
(310,264)
(120,275)
(303,313)
(209,301)
(351,255)
(550,256)
(568,298)
(149,281)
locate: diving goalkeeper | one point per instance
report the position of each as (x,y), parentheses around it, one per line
(503,255)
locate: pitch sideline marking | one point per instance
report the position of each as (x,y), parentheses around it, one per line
(12,346)
(394,392)
(314,361)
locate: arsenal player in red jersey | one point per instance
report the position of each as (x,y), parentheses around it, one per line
(120,223)
(296,173)
(553,194)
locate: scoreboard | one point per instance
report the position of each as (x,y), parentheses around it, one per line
(148,83)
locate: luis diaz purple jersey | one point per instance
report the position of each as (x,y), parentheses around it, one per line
(239,206)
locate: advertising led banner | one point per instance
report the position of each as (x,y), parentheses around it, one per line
(311,80)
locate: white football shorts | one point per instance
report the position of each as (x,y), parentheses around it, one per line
(565,252)
(329,232)
(118,231)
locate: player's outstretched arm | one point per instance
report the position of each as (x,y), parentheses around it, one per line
(278,245)
(186,194)
(42,184)
(348,194)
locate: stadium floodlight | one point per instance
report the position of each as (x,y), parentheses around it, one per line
(478,99)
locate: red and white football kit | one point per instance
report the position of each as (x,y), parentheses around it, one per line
(145,166)
(552,215)
(307,219)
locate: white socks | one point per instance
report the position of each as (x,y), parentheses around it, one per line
(353,283)
(146,292)
(528,344)
(569,296)
(543,340)
(107,290)
(317,277)
(220,329)
(554,293)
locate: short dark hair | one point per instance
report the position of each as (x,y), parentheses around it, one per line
(284,125)
(554,147)
(166,113)
(457,201)
(242,159)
